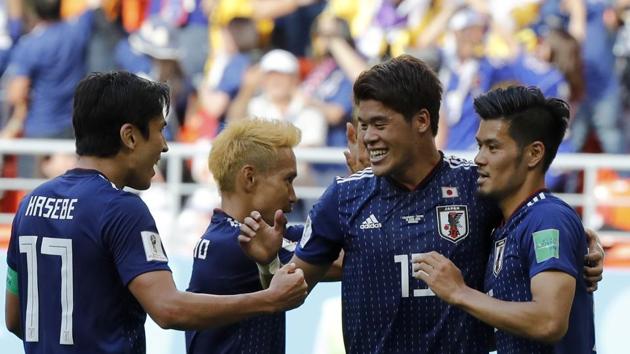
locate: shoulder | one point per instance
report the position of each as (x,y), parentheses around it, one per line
(125,204)
(359,178)
(547,211)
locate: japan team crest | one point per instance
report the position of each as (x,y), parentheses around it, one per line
(453,222)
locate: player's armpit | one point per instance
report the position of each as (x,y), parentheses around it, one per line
(335,271)
(12,313)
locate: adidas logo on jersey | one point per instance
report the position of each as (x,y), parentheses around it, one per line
(370,223)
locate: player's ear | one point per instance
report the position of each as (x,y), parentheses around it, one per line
(127,135)
(248,178)
(535,153)
(423,119)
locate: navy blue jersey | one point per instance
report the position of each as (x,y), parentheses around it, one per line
(544,234)
(380,226)
(220,267)
(76,243)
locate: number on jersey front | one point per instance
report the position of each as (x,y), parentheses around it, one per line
(60,247)
(405,264)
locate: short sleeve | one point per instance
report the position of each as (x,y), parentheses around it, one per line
(23,60)
(555,240)
(343,96)
(232,76)
(130,233)
(322,239)
(12,251)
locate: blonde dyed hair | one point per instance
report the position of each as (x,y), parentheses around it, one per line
(249,142)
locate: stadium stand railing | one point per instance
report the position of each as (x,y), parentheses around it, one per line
(587,202)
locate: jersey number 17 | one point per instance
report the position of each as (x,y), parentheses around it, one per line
(60,247)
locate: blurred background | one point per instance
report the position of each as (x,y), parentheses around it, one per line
(296,60)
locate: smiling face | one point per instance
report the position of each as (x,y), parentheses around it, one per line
(147,154)
(274,189)
(390,140)
(501,166)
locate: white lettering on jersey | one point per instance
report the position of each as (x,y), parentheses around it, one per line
(153,246)
(50,208)
(413,219)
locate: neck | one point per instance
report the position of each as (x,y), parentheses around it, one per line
(108,166)
(510,203)
(232,204)
(420,167)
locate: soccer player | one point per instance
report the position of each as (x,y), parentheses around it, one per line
(85,258)
(412,200)
(253,163)
(383,215)
(535,294)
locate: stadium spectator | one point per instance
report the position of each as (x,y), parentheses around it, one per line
(86,263)
(278,77)
(44,69)
(533,294)
(328,87)
(601,107)
(412,200)
(223,80)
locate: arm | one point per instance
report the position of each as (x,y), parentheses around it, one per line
(171,308)
(17,95)
(313,272)
(347,58)
(12,313)
(577,18)
(238,108)
(438,25)
(545,318)
(262,243)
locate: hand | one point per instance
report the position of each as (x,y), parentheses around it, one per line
(357,157)
(288,289)
(260,241)
(594,261)
(440,274)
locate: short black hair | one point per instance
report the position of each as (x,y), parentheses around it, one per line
(48,10)
(103,102)
(405,84)
(531,116)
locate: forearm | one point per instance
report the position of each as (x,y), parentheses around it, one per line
(185,310)
(238,108)
(526,319)
(347,58)
(270,9)
(436,27)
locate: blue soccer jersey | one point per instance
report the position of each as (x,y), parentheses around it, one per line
(76,243)
(220,267)
(544,234)
(380,226)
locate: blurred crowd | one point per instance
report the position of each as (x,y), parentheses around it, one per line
(297,59)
